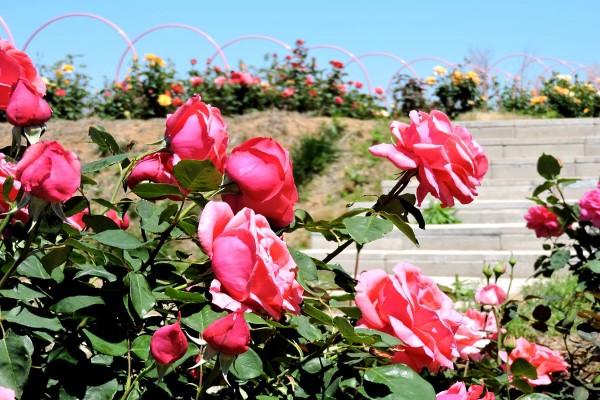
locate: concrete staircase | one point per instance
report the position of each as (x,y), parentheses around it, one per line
(493,227)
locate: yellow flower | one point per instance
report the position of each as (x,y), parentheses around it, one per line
(586,110)
(430,80)
(440,71)
(67,81)
(67,68)
(561,90)
(537,100)
(457,77)
(153,59)
(164,100)
(474,77)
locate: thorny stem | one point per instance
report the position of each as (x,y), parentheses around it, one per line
(135,381)
(395,191)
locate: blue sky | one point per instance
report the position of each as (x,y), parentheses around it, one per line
(410,29)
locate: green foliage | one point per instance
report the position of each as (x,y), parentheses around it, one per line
(67,89)
(314,153)
(436,214)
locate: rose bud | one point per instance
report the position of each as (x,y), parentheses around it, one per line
(156,168)
(263,171)
(196,131)
(49,172)
(168,344)
(122,223)
(229,335)
(26,107)
(491,295)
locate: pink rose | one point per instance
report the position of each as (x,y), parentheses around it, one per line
(341,88)
(411,307)
(338,100)
(358,85)
(60,92)
(16,65)
(262,169)
(482,321)
(156,168)
(253,267)
(469,340)
(8,169)
(122,223)
(6,393)
(26,107)
(287,92)
(76,220)
(168,344)
(229,335)
(543,221)
(241,78)
(544,360)
(458,391)
(49,172)
(589,207)
(379,91)
(196,81)
(448,162)
(196,131)
(309,81)
(490,295)
(220,81)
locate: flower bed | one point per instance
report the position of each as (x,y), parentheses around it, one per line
(177,282)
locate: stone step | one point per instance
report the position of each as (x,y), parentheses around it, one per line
(545,129)
(565,148)
(517,188)
(497,236)
(484,211)
(449,263)
(527,169)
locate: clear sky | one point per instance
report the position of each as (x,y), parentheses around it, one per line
(410,29)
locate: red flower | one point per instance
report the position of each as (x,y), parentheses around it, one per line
(336,64)
(338,100)
(299,42)
(16,65)
(26,107)
(229,335)
(193,61)
(543,221)
(60,92)
(168,344)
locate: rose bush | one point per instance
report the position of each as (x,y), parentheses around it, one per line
(201,297)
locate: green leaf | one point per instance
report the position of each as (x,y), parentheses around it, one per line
(535,396)
(559,259)
(186,297)
(104,347)
(105,391)
(22,316)
(102,163)
(385,339)
(155,190)
(197,176)
(307,270)
(95,270)
(32,268)
(74,303)
(247,366)
(593,265)
(200,320)
(317,314)
(367,229)
(316,365)
(140,293)
(548,166)
(105,141)
(118,238)
(15,361)
(401,225)
(403,382)
(521,367)
(305,328)
(56,257)
(141,346)
(581,393)
(347,331)
(21,292)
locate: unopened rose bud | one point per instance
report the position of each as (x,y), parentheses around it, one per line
(499,269)
(512,261)
(509,343)
(487,271)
